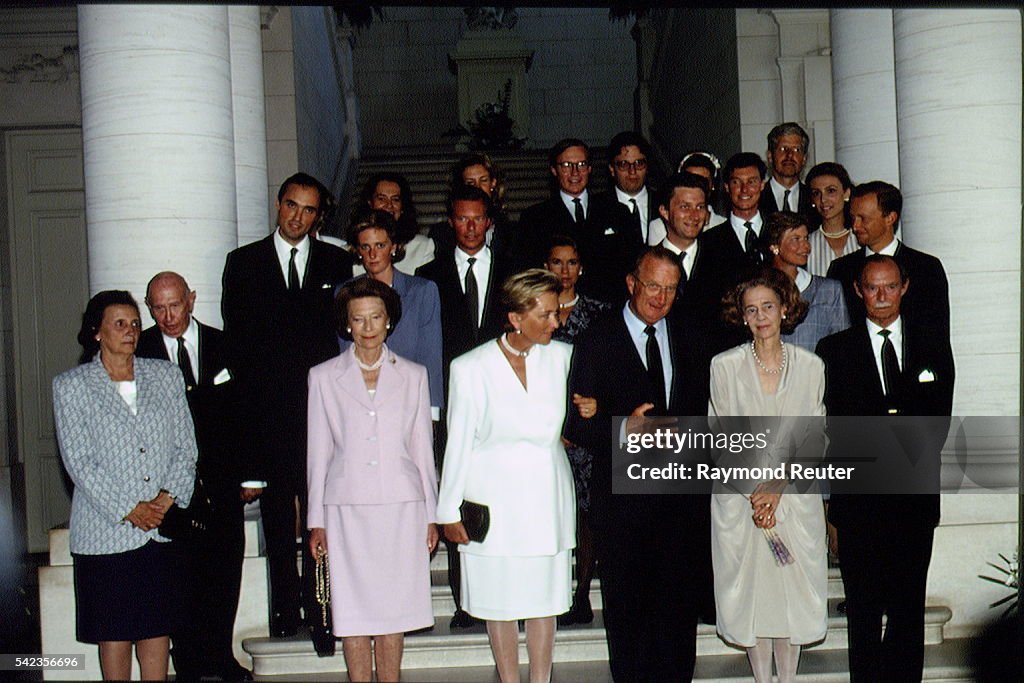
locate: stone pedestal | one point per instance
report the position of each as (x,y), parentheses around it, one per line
(483,61)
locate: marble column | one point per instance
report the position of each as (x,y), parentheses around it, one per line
(158,142)
(250,121)
(864,94)
(958,88)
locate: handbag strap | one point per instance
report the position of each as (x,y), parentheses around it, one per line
(323,583)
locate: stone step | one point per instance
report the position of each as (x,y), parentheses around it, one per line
(438,648)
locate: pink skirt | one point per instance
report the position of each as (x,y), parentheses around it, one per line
(380,568)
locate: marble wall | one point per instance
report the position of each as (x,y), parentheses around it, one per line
(580,82)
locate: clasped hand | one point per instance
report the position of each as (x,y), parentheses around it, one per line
(149,514)
(765,503)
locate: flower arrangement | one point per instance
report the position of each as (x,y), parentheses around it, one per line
(1010,578)
(491,127)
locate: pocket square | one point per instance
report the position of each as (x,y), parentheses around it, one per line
(926,376)
(326,285)
(609,230)
(222,377)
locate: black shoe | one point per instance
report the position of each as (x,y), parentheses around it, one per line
(580,613)
(463,619)
(236,672)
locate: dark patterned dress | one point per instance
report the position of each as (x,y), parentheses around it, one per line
(581,460)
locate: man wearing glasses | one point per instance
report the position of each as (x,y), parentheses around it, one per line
(653,550)
(787,155)
(599,228)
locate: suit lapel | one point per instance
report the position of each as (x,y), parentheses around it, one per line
(866,360)
(390,382)
(350,378)
(270,264)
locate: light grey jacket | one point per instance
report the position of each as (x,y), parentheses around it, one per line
(117,459)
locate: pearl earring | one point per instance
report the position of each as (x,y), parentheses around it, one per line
(388,326)
(519,330)
(348,330)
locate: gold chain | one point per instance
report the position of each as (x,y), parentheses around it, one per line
(323,582)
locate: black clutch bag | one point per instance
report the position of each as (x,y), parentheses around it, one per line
(191,523)
(321,632)
(476,518)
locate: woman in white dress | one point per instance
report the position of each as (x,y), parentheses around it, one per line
(506,406)
(761,605)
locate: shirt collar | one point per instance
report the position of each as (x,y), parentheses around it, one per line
(888,250)
(483,256)
(895,328)
(284,248)
(191,336)
(624,197)
(803,279)
(636,326)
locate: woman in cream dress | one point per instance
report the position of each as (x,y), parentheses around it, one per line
(506,406)
(762,606)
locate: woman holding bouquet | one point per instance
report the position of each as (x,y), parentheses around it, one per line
(768,544)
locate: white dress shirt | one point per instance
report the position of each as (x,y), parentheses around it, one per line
(284,255)
(636,328)
(643,205)
(691,254)
(191,337)
(740,229)
(481,272)
(567,199)
(887,250)
(779,191)
(895,336)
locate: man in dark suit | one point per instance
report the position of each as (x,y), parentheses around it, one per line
(277,305)
(739,240)
(876,208)
(468,278)
(628,159)
(787,155)
(601,229)
(886,365)
(654,550)
(213,563)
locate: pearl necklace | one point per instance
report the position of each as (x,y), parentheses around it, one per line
(569,304)
(782,366)
(370,367)
(835,235)
(505,344)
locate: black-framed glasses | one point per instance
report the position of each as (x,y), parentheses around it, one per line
(623,165)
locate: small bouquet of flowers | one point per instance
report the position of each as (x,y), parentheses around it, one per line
(779,550)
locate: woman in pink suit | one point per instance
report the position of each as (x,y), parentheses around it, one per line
(372,484)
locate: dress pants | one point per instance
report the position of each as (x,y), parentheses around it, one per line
(287,591)
(885,571)
(213,577)
(651,560)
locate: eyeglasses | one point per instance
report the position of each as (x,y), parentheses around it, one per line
(572,165)
(623,165)
(784,149)
(654,289)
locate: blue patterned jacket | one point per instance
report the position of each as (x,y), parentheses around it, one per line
(117,459)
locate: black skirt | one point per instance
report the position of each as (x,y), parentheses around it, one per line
(128,596)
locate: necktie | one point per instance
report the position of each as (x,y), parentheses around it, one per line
(472,296)
(637,220)
(655,369)
(293,272)
(682,273)
(578,207)
(890,366)
(185,363)
(785,201)
(750,239)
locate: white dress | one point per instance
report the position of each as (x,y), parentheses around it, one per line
(754,597)
(505,451)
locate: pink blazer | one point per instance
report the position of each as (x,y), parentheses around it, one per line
(365,450)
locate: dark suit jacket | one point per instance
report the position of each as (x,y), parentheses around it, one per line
(607,366)
(854,388)
(212,406)
(272,339)
(926,302)
(768,206)
(456,324)
(606,249)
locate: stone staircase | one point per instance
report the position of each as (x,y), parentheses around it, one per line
(581,651)
(527,177)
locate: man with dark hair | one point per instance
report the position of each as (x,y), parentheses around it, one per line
(654,550)
(739,239)
(278,323)
(628,161)
(468,276)
(787,156)
(212,568)
(600,229)
(887,364)
(876,208)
